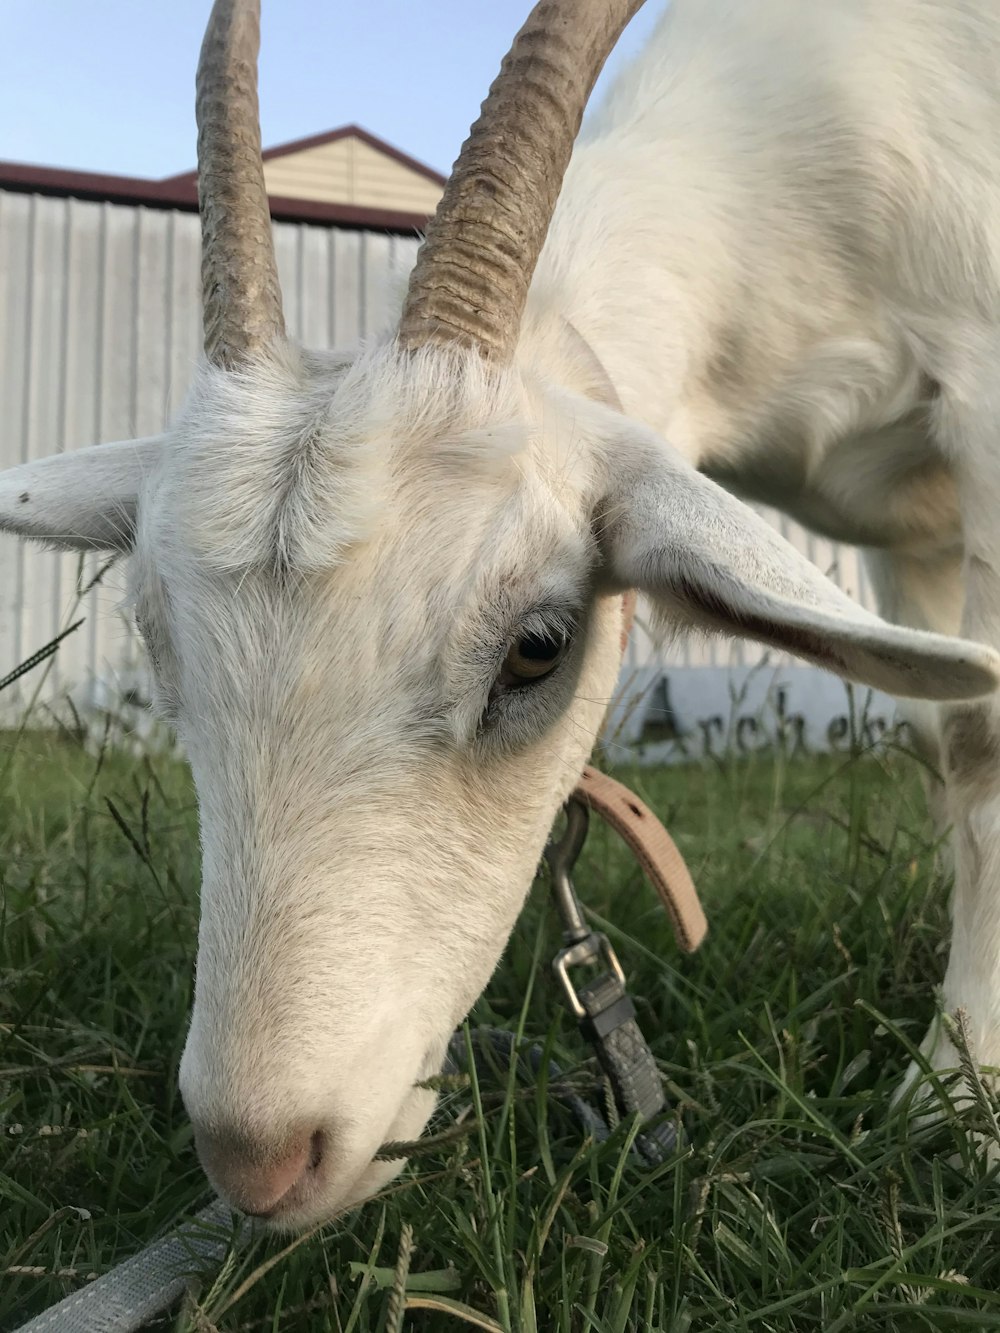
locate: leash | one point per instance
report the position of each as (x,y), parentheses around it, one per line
(603,1007)
(126,1298)
(137,1290)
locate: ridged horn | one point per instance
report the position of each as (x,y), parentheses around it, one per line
(471,278)
(241,299)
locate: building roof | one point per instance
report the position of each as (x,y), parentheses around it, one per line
(343,178)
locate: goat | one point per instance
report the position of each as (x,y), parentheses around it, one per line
(382,594)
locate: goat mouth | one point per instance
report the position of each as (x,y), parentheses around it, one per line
(308,1202)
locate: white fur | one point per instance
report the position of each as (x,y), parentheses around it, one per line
(781,240)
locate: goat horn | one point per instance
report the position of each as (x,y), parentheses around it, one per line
(471,278)
(240,292)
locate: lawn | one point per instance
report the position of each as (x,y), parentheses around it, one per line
(798,1201)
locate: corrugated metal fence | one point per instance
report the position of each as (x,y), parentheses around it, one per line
(99,332)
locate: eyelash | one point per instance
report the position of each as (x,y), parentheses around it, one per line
(505,705)
(557,622)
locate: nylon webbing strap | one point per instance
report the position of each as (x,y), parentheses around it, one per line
(621,1049)
(150,1282)
(654,849)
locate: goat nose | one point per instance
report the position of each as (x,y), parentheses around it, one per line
(256,1174)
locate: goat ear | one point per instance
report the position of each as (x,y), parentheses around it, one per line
(708,561)
(82,500)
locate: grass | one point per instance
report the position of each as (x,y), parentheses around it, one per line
(799,1201)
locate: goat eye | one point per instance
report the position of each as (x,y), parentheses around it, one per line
(532,657)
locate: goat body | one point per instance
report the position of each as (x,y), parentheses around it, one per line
(382,594)
(781,238)
(776,237)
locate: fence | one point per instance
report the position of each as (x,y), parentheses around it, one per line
(99,333)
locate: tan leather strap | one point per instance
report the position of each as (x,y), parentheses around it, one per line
(654,849)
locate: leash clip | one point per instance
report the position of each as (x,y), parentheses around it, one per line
(594,948)
(602,1006)
(562,855)
(581,945)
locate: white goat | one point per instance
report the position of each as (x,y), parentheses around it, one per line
(382,597)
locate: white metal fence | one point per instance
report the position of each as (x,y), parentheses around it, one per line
(99,332)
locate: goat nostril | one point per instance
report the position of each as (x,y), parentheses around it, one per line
(255,1177)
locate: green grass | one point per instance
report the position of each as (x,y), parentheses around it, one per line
(799,1202)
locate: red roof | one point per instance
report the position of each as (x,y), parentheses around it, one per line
(331,136)
(181,192)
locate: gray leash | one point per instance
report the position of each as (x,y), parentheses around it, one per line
(603,1007)
(147,1284)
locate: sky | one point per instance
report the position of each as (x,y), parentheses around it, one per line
(108,85)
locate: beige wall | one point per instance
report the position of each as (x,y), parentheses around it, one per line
(349,171)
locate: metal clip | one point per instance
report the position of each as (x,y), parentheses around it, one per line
(562,856)
(581,944)
(593,948)
(602,1006)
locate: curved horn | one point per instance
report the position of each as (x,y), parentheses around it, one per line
(471,277)
(240,293)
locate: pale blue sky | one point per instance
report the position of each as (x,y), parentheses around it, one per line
(107,85)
